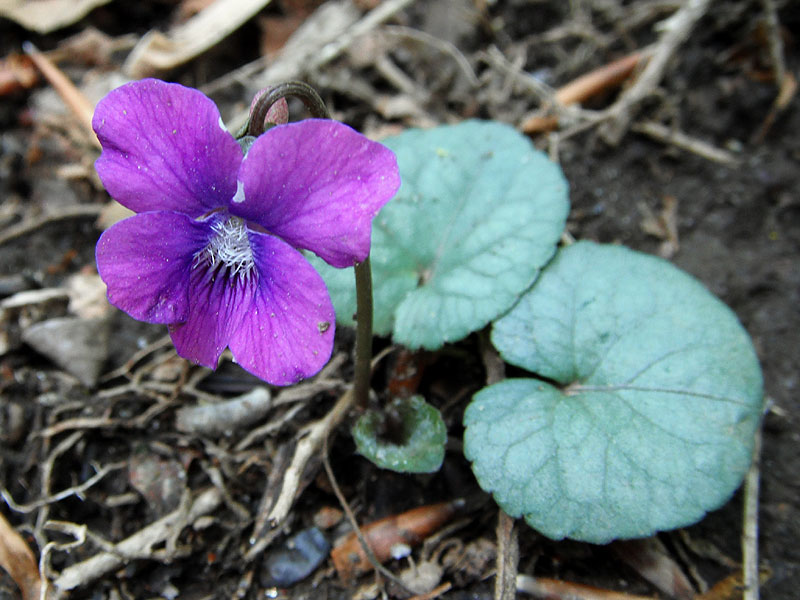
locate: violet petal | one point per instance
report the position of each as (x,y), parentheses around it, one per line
(317,184)
(217,305)
(165,148)
(145,261)
(287,333)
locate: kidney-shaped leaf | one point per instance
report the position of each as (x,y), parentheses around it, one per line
(651,422)
(478,213)
(419,432)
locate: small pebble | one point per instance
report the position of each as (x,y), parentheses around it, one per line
(300,555)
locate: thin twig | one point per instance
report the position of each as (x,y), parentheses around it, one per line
(586,86)
(492,362)
(324,381)
(267,428)
(328,32)
(77,211)
(262,536)
(442,45)
(46,572)
(676,30)
(677,138)
(76,490)
(125,370)
(784,98)
(138,544)
(507,558)
(775,42)
(75,100)
(354,523)
(48,466)
(543,92)
(384,11)
(750,573)
(311,442)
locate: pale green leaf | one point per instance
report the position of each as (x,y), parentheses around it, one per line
(645,414)
(478,213)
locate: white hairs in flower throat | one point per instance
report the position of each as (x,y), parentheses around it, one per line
(229,247)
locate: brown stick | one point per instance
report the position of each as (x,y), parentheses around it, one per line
(750,572)
(586,86)
(675,31)
(507,558)
(594,82)
(554,589)
(70,94)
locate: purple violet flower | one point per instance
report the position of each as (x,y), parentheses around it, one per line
(214,251)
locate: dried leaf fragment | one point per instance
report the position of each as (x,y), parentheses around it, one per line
(651,560)
(732,587)
(18,561)
(664,225)
(410,528)
(158,52)
(16,73)
(227,416)
(44,16)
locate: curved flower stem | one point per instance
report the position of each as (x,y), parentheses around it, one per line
(301,90)
(362,372)
(363,270)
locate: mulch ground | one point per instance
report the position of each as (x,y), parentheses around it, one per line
(680,142)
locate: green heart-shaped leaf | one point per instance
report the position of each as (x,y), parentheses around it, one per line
(651,422)
(478,213)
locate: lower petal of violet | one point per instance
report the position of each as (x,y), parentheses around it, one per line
(218,302)
(287,334)
(145,261)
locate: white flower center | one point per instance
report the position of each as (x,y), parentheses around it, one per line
(229,247)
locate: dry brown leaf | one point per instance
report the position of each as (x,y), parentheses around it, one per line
(382,536)
(44,16)
(18,561)
(664,225)
(787,92)
(731,588)
(158,52)
(189,8)
(649,558)
(16,73)
(555,589)
(92,47)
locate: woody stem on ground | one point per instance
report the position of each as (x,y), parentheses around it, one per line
(363,270)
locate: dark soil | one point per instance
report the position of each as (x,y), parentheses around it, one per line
(738,232)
